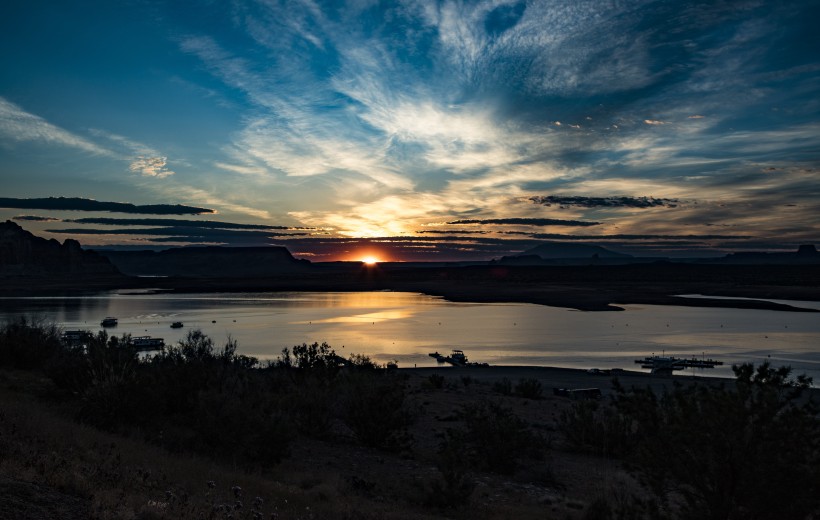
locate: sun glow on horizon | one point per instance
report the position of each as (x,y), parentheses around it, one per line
(370,260)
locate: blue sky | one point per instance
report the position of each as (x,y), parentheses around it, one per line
(380,125)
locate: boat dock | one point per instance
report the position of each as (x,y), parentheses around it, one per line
(668,364)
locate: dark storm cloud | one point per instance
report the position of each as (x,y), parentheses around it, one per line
(202,233)
(450,232)
(526,222)
(35,218)
(555,236)
(604,202)
(208,224)
(81,204)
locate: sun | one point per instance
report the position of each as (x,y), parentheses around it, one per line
(370,260)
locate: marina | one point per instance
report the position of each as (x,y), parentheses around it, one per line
(668,364)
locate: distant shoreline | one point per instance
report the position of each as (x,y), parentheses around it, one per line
(586,288)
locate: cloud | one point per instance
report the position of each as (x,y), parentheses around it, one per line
(451,232)
(556,236)
(35,218)
(179,223)
(242,169)
(525,222)
(185,231)
(150,167)
(380,118)
(80,204)
(604,202)
(18,125)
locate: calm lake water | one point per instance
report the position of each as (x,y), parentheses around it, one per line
(407,326)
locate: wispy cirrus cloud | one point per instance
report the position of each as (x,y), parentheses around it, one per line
(378,119)
(16,124)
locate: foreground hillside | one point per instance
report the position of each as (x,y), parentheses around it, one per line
(201,432)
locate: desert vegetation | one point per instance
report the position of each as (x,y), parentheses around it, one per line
(201,431)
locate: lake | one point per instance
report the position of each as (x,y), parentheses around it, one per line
(407,326)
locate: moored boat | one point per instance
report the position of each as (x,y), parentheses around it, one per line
(110,321)
(457,358)
(147,343)
(76,337)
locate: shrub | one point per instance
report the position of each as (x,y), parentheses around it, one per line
(591,427)
(456,484)
(28,343)
(529,389)
(748,451)
(375,409)
(107,382)
(503,387)
(494,438)
(436,381)
(312,406)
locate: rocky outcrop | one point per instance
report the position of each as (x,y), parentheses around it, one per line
(27,255)
(563,253)
(209,262)
(805,254)
(561,250)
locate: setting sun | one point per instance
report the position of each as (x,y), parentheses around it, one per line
(370,260)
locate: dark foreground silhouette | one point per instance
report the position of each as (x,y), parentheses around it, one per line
(197,431)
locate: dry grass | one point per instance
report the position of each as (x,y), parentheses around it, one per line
(124,477)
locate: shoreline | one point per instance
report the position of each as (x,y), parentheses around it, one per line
(565,299)
(573,378)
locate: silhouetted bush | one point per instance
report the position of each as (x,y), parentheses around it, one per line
(503,387)
(316,360)
(591,427)
(28,343)
(375,409)
(494,438)
(456,484)
(312,406)
(748,451)
(529,389)
(108,382)
(436,380)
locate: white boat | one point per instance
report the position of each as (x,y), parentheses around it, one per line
(76,337)
(147,343)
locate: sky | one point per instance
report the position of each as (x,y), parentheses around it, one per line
(413,130)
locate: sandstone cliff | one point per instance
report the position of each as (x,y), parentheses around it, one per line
(23,254)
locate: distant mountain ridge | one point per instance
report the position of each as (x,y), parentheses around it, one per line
(23,254)
(805,254)
(563,253)
(561,250)
(208,262)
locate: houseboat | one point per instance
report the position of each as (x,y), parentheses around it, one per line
(109,322)
(147,343)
